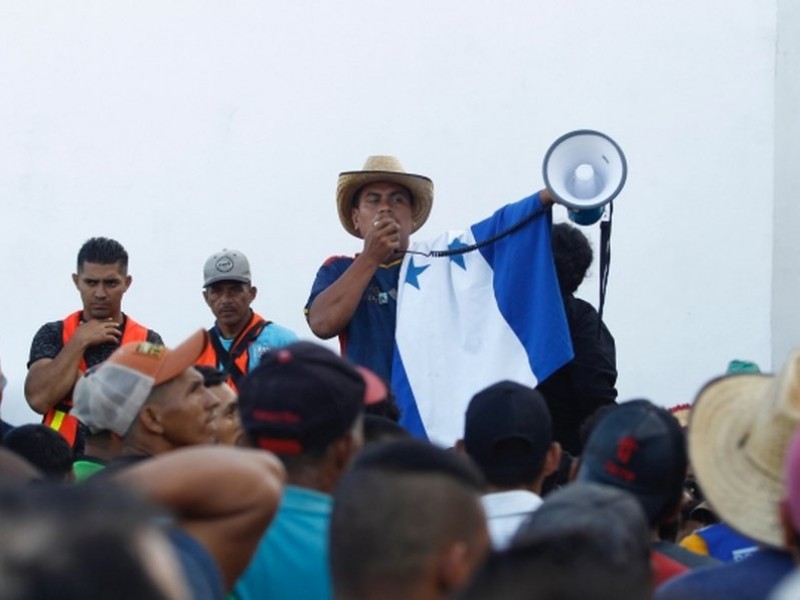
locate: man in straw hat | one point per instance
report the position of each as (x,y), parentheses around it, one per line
(739,431)
(395,304)
(356,298)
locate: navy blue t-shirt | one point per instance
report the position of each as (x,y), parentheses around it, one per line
(368,339)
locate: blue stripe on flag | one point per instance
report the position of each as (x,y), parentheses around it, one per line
(467,321)
(520,279)
(404,395)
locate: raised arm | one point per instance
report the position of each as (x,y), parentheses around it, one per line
(51,379)
(223,496)
(332,309)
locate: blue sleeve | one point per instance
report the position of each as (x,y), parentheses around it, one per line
(327,274)
(271,337)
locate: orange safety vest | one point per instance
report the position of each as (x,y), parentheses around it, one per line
(236,359)
(58,417)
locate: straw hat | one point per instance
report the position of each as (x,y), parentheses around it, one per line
(383,169)
(739,430)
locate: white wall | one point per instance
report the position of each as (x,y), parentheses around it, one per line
(182,127)
(786,242)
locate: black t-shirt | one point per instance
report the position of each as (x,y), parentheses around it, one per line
(585,383)
(48,342)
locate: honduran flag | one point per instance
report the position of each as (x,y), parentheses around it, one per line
(469,320)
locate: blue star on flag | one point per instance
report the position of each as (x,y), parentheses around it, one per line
(457,258)
(414,272)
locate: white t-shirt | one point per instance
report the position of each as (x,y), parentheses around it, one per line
(505,512)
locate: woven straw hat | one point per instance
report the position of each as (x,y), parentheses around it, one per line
(383,169)
(739,430)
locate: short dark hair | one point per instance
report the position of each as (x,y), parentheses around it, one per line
(398,504)
(382,429)
(43,447)
(585,541)
(87,543)
(102,251)
(386,408)
(567,567)
(211,375)
(572,254)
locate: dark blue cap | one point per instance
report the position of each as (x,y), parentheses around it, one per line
(638,447)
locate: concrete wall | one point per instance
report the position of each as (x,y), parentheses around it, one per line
(183,127)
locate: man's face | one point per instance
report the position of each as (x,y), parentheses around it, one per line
(229,426)
(384,200)
(187,410)
(230,302)
(101,288)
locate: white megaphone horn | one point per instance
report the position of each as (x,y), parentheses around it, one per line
(584,170)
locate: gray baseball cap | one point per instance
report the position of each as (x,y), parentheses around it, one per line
(227,265)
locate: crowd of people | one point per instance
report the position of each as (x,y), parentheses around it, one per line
(246,463)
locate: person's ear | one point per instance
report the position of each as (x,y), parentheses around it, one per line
(337,459)
(75,279)
(455,565)
(150,418)
(354,217)
(343,451)
(128,281)
(552,459)
(253,292)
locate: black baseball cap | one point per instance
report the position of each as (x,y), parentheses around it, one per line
(300,398)
(507,432)
(641,448)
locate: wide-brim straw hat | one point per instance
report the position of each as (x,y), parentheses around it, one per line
(739,430)
(383,169)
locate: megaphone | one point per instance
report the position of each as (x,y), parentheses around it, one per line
(584,170)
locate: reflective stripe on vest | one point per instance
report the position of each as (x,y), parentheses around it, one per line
(58,417)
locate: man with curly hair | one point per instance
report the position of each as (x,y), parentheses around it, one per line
(588,381)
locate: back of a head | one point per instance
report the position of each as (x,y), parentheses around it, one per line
(586,542)
(640,448)
(44,448)
(400,504)
(299,400)
(78,542)
(572,255)
(508,432)
(382,429)
(15,470)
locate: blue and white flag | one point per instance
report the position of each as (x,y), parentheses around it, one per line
(469,320)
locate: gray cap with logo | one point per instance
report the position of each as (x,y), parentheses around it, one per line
(227,265)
